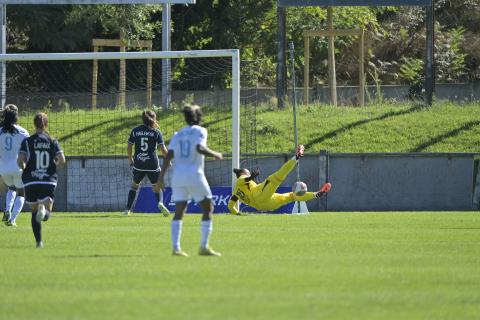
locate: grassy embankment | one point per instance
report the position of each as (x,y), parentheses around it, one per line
(444,127)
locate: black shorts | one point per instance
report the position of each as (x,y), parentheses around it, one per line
(37,193)
(139,175)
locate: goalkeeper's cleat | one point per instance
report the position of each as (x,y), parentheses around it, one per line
(126,212)
(299,151)
(11,223)
(41,212)
(163,209)
(208,252)
(39,244)
(179,253)
(324,189)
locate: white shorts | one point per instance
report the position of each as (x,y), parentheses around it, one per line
(13,180)
(197,193)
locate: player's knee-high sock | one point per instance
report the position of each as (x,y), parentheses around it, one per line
(10,198)
(284,170)
(176,234)
(36,227)
(157,196)
(206,227)
(17,207)
(306,197)
(131,197)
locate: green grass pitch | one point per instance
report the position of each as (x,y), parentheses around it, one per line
(419,265)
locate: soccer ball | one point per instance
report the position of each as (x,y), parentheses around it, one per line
(299,188)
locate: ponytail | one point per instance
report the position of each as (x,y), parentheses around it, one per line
(41,122)
(149,119)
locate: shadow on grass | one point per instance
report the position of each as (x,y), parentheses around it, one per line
(334,133)
(85,129)
(114,216)
(452,133)
(99,256)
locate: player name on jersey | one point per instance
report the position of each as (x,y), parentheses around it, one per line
(41,145)
(144,133)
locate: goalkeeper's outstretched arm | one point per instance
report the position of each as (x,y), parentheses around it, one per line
(232,205)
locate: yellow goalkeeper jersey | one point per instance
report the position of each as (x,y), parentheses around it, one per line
(244,190)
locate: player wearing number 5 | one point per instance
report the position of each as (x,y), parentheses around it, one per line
(11,136)
(39,157)
(145,139)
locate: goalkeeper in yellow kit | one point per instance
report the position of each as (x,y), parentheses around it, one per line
(262,196)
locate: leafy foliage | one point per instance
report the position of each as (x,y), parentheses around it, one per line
(395,35)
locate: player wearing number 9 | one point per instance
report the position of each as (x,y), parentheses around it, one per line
(11,136)
(39,157)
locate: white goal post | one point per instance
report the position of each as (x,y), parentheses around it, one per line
(233,53)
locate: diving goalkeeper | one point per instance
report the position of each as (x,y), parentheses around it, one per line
(262,196)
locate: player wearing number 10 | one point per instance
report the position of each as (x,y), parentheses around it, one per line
(39,157)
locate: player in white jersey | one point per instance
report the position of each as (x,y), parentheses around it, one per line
(188,149)
(11,136)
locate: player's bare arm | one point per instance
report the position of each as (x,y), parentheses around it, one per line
(60,159)
(208,152)
(21,160)
(163,150)
(130,154)
(160,185)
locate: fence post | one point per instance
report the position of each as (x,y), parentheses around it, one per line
(323,177)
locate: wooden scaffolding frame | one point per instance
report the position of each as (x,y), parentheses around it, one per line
(307,34)
(123,44)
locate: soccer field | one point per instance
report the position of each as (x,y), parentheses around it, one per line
(419,265)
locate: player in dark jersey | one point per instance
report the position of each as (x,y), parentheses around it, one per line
(39,157)
(142,156)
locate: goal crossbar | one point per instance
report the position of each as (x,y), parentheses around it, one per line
(80,2)
(233,53)
(119,55)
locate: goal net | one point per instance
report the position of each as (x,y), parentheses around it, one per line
(94,100)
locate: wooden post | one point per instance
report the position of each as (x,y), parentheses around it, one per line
(348,32)
(331,58)
(122,87)
(149,81)
(94,81)
(361,71)
(123,44)
(306,70)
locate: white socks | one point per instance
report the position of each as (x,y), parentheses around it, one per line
(176,227)
(207,227)
(9,199)
(17,207)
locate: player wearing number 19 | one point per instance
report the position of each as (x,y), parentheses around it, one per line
(39,157)
(188,149)
(145,139)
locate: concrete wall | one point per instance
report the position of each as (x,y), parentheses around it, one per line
(401,182)
(361,182)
